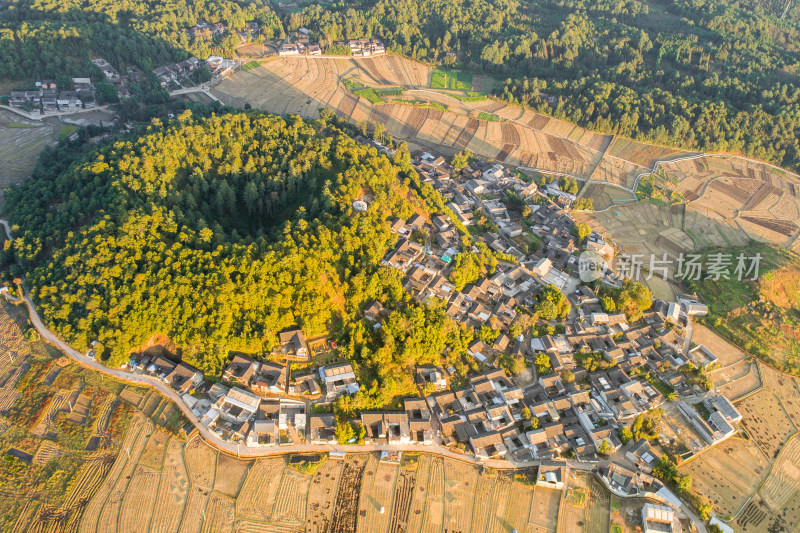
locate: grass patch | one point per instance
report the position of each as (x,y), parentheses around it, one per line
(370,94)
(491,117)
(22,125)
(251,65)
(470,97)
(66,131)
(448,79)
(421,103)
(308,464)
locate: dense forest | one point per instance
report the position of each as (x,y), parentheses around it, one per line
(45,38)
(703,74)
(712,75)
(223,231)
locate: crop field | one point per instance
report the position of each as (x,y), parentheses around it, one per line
(767,422)
(303,85)
(656,229)
(21,141)
(762,200)
(544,513)
(728,474)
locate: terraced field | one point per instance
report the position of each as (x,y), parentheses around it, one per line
(436,118)
(21,141)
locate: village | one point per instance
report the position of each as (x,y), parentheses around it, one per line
(592,384)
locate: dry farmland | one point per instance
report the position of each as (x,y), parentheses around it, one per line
(730,199)
(21,140)
(756,476)
(434,118)
(728,474)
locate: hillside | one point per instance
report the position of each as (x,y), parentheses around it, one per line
(761,316)
(219,233)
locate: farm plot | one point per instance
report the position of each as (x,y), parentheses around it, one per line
(766,422)
(418,499)
(133,437)
(434,509)
(598,512)
(290,510)
(518,509)
(481,506)
(784,387)
(153,456)
(784,481)
(257,496)
(137,505)
(727,474)
(403,492)
(110,500)
(173,490)
(192,520)
(459,488)
(499,502)
(219,515)
(322,495)
(379,496)
(20,144)
(544,513)
(231,473)
(345,510)
(201,462)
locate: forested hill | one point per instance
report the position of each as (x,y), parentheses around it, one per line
(219,233)
(49,38)
(713,75)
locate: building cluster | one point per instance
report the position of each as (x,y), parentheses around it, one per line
(365,46)
(205,30)
(181,72)
(299,42)
(602,372)
(49,98)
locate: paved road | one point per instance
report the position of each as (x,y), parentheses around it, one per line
(39,116)
(242,451)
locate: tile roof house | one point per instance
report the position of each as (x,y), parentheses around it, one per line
(293,342)
(241,370)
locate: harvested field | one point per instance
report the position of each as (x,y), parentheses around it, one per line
(460,483)
(231,473)
(153,456)
(201,461)
(136,511)
(434,509)
(322,495)
(345,510)
(728,474)
(21,141)
(481,508)
(192,520)
(766,422)
(379,495)
(783,482)
(290,510)
(518,509)
(544,513)
(219,514)
(499,502)
(255,502)
(173,490)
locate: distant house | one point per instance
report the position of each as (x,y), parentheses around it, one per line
(293,344)
(238,405)
(270,379)
(657,518)
(322,428)
(551,475)
(338,379)
(241,370)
